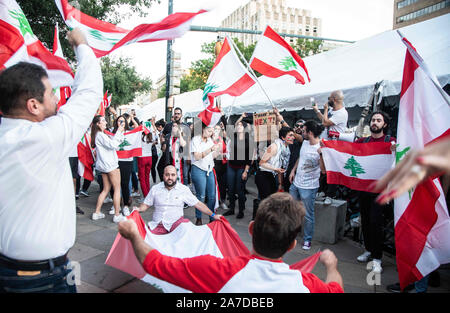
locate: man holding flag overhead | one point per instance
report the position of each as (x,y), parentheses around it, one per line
(35,174)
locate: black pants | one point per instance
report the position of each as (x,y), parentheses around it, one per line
(154,162)
(266,183)
(221,174)
(125,168)
(372,224)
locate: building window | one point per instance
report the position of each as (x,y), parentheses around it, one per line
(428,10)
(405,3)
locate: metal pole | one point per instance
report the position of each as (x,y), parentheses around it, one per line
(168,69)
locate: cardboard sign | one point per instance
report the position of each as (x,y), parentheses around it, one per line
(265,126)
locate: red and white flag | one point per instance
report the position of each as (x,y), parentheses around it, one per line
(274,57)
(228,76)
(104,104)
(422,223)
(85,158)
(105,37)
(356,165)
(131,145)
(18,43)
(217,239)
(64,92)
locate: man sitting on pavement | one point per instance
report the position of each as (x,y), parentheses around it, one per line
(168,198)
(276,225)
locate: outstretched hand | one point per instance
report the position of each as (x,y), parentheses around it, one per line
(76,37)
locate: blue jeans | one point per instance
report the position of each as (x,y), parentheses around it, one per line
(308,197)
(236,185)
(48,281)
(205,187)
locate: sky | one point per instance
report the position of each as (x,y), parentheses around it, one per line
(344,19)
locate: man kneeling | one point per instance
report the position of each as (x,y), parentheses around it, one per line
(276,225)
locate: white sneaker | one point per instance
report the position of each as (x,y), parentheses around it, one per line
(97,216)
(135,194)
(112,211)
(306,245)
(376,266)
(327,201)
(126,211)
(119,218)
(364,257)
(108,199)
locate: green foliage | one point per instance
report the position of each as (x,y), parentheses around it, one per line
(43,16)
(306,47)
(121,79)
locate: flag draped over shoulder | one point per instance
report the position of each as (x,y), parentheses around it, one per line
(274,57)
(85,158)
(422,223)
(18,43)
(187,240)
(356,165)
(228,76)
(105,37)
(131,145)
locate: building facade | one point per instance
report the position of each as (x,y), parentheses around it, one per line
(407,12)
(256,14)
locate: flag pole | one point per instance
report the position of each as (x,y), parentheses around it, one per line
(251,71)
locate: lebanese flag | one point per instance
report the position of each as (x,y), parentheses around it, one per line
(103,105)
(18,43)
(228,76)
(274,57)
(356,165)
(422,223)
(218,239)
(63,93)
(105,37)
(131,145)
(85,158)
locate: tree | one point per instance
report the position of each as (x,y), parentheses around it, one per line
(43,16)
(306,47)
(354,167)
(121,79)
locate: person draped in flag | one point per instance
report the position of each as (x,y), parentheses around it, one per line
(273,232)
(172,147)
(107,164)
(305,175)
(273,164)
(372,212)
(169,198)
(204,151)
(35,173)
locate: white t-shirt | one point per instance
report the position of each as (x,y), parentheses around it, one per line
(146,148)
(198,145)
(340,119)
(308,169)
(169,204)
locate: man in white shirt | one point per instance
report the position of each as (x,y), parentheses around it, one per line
(168,198)
(37,201)
(337,121)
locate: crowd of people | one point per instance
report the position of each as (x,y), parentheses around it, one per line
(198,165)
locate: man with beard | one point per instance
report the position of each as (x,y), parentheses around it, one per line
(168,199)
(371,211)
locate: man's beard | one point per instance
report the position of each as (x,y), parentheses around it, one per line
(170,185)
(375,130)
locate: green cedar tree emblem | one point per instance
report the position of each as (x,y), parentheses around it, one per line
(354,167)
(124,144)
(24,26)
(287,63)
(208,88)
(99,36)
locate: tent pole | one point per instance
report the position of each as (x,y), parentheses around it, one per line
(251,71)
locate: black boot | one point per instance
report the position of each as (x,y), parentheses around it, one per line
(240,214)
(229,212)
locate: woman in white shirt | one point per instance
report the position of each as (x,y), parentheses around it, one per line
(203,152)
(107,164)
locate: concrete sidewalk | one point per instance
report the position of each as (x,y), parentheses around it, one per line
(95,238)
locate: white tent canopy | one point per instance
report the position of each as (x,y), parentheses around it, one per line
(354,69)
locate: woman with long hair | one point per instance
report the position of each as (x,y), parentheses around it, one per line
(203,152)
(273,165)
(107,164)
(145,162)
(125,167)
